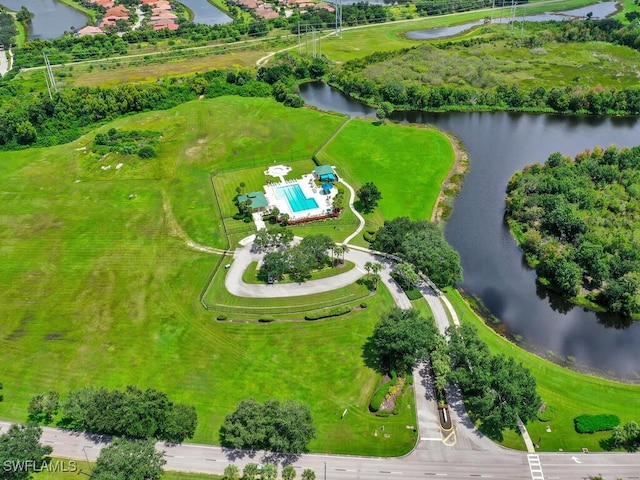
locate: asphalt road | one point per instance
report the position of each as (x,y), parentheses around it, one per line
(429,459)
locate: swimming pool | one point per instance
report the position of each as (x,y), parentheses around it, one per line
(295,197)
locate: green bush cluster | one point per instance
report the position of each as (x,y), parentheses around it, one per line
(266,319)
(595,423)
(378,396)
(369,236)
(131,412)
(328,313)
(127,142)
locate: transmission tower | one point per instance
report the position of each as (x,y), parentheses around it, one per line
(48,77)
(339,18)
(512,12)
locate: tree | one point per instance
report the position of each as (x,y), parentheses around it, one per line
(401,338)
(180,423)
(20,447)
(288,473)
(622,295)
(269,472)
(279,427)
(375,274)
(250,471)
(385,109)
(368,197)
(274,265)
(496,389)
(125,459)
(408,275)
(423,245)
(44,407)
(316,247)
(24,16)
(308,474)
(231,472)
(627,436)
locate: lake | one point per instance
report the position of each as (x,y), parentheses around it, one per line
(206,13)
(500,144)
(51,18)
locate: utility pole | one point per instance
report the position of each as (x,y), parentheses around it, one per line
(313,41)
(339,18)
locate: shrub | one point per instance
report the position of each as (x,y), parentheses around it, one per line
(595,423)
(413,294)
(327,313)
(146,152)
(221,316)
(246,219)
(238,216)
(369,237)
(266,319)
(363,305)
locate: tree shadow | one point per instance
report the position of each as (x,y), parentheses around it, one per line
(371,357)
(280,458)
(233,454)
(607,444)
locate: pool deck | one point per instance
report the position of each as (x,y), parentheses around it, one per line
(309,189)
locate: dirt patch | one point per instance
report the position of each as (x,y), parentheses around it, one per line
(453,183)
(389,402)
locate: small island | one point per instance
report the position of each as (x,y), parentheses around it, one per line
(578,222)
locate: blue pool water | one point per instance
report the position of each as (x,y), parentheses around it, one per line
(294,195)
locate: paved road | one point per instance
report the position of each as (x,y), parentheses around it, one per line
(430,459)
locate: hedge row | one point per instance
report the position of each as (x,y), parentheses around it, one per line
(327,313)
(595,423)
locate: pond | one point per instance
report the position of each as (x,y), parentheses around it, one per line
(599,10)
(51,18)
(206,13)
(499,144)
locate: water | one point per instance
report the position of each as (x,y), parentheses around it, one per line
(599,10)
(499,144)
(51,18)
(205,13)
(295,198)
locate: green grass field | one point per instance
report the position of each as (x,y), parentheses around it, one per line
(98,288)
(389,160)
(569,392)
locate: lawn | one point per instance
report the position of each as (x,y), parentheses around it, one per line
(569,392)
(98,288)
(408,165)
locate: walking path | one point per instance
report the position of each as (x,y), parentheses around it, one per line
(6,61)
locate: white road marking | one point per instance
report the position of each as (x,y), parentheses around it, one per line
(535,467)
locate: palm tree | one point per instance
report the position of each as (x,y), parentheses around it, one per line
(345,249)
(375,277)
(242,185)
(337,251)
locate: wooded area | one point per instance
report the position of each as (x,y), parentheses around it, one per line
(578,221)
